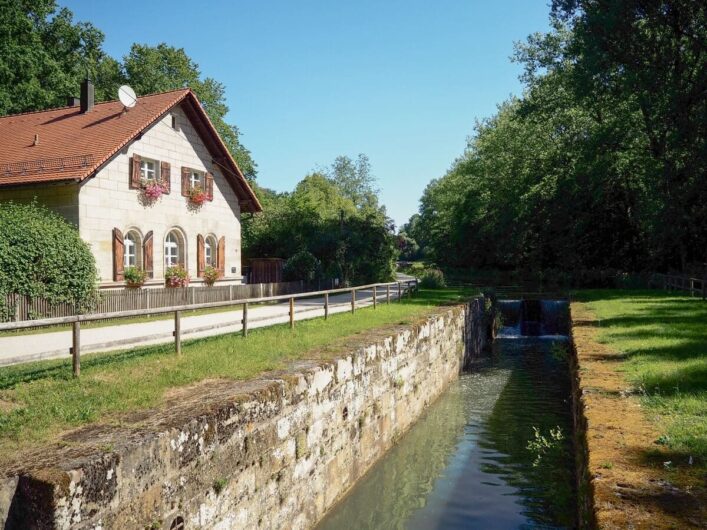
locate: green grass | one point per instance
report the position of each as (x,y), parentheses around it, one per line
(38,400)
(663,340)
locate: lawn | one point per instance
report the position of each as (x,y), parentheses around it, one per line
(39,400)
(663,341)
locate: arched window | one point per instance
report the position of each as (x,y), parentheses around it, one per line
(174,249)
(210,246)
(133,253)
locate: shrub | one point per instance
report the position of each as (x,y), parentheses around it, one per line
(433,279)
(302,266)
(43,256)
(176,276)
(211,275)
(134,277)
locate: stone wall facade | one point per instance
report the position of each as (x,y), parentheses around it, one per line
(106,201)
(276,452)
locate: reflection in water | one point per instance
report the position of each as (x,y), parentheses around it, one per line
(467,462)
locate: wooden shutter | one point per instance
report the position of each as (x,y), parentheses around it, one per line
(210,186)
(185,181)
(148,255)
(165,176)
(221,256)
(135,175)
(118,256)
(200,256)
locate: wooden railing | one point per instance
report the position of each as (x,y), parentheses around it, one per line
(675,282)
(109,301)
(402,288)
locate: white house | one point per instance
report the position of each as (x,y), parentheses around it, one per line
(96,164)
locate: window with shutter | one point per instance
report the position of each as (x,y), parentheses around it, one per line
(221,256)
(147,255)
(118,256)
(210,186)
(135,173)
(166,176)
(185,181)
(200,256)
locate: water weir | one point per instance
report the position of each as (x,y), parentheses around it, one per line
(497,450)
(424,426)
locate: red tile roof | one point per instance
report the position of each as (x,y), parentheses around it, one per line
(71,145)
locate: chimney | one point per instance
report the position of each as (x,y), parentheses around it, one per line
(86,95)
(73,101)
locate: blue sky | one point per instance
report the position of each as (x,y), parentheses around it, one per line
(402,81)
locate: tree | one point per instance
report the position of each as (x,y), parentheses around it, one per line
(44,55)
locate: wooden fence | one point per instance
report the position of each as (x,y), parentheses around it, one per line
(110,301)
(402,288)
(675,282)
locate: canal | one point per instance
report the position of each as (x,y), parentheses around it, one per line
(494,451)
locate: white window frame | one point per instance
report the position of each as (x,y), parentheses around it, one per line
(197,178)
(210,246)
(171,249)
(147,173)
(130,243)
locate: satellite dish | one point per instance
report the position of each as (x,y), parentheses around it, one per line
(127,96)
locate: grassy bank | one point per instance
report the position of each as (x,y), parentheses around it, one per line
(662,340)
(39,400)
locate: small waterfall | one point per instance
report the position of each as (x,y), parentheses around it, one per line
(510,318)
(555,317)
(533,318)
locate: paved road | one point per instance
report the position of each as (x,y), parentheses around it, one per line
(24,348)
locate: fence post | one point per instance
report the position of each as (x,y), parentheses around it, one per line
(245,319)
(374,296)
(178,332)
(387,294)
(76,348)
(692,287)
(17,307)
(292,312)
(230,292)
(353,300)
(326,306)
(400,291)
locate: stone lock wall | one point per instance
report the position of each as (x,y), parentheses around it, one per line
(276,452)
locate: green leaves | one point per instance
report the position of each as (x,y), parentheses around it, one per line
(41,255)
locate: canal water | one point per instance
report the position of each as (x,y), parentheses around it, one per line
(493,452)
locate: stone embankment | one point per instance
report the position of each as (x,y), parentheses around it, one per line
(275,452)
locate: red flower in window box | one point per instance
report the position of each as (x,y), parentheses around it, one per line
(197,196)
(176,277)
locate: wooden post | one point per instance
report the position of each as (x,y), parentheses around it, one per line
(292,313)
(692,287)
(400,291)
(76,348)
(326,306)
(374,297)
(178,332)
(353,300)
(245,319)
(387,294)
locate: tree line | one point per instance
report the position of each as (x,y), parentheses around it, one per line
(329,226)
(600,164)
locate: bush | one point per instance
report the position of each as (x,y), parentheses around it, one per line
(134,277)
(210,275)
(433,279)
(302,266)
(176,276)
(42,256)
